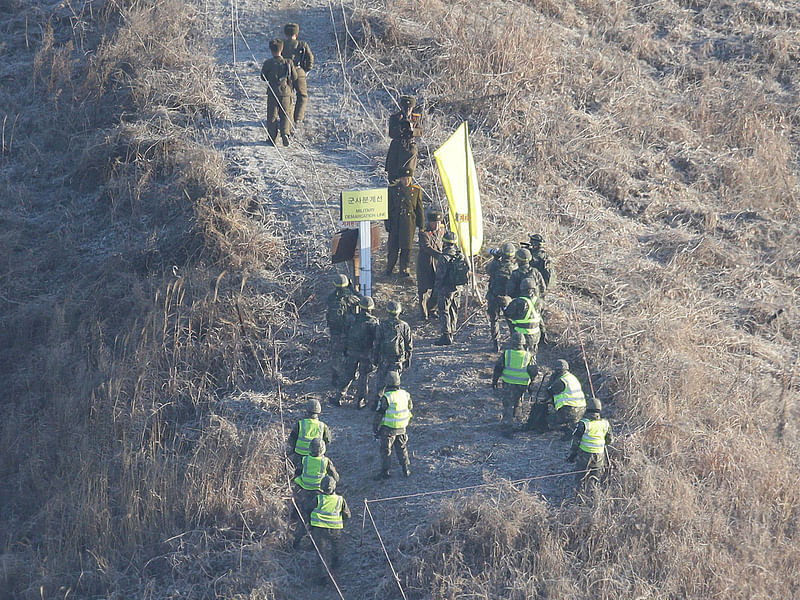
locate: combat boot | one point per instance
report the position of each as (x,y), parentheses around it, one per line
(285,139)
(445,340)
(336,400)
(495,346)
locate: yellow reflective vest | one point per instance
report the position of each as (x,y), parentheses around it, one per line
(314,469)
(529,323)
(572,394)
(308,429)
(594,436)
(328,513)
(515,363)
(397,414)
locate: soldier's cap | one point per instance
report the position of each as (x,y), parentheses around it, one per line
(408,101)
(291,29)
(449,237)
(276,45)
(406,172)
(367,303)
(435,215)
(536,239)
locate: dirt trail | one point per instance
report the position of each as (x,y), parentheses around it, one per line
(454,437)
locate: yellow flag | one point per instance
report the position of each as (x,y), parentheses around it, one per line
(460,181)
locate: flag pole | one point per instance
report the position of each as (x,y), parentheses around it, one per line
(469,208)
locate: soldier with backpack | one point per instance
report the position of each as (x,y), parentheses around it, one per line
(300,54)
(280,75)
(361,330)
(341,302)
(452,271)
(500,270)
(393,346)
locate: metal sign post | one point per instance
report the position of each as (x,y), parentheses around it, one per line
(365,206)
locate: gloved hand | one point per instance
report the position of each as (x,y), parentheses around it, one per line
(572,457)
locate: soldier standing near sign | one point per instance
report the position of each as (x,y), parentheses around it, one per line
(430,247)
(405,214)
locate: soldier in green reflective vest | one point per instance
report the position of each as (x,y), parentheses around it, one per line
(516,368)
(523,312)
(326,523)
(310,472)
(307,430)
(589,440)
(391,420)
(568,398)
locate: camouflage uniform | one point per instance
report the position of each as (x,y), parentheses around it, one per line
(540,261)
(301,56)
(389,437)
(524,271)
(329,541)
(361,333)
(281,76)
(341,302)
(385,357)
(500,270)
(516,310)
(566,417)
(430,247)
(405,215)
(512,393)
(591,464)
(448,294)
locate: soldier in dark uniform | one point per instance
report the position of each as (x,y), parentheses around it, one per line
(361,333)
(449,295)
(499,270)
(393,346)
(540,260)
(524,271)
(405,215)
(341,302)
(403,128)
(430,247)
(280,75)
(300,54)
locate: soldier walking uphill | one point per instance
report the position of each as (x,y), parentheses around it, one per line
(393,346)
(524,314)
(451,274)
(300,54)
(499,270)
(540,260)
(524,270)
(280,75)
(361,330)
(391,420)
(405,215)
(309,474)
(589,440)
(430,247)
(306,430)
(516,367)
(403,128)
(341,302)
(326,523)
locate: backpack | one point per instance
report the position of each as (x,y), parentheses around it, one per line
(457,271)
(305,61)
(285,82)
(498,280)
(338,307)
(392,346)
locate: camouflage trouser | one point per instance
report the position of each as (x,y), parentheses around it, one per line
(279,115)
(337,356)
(532,341)
(353,364)
(448,311)
(566,418)
(398,439)
(329,544)
(427,302)
(306,500)
(384,367)
(512,404)
(301,101)
(591,466)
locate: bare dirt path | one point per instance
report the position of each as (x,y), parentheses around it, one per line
(454,436)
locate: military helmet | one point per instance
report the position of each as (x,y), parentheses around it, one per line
(291,29)
(435,215)
(536,239)
(394,307)
(561,365)
(509,249)
(367,303)
(313,407)
(529,283)
(504,301)
(341,281)
(449,237)
(327,485)
(523,255)
(392,379)
(407,102)
(317,447)
(517,340)
(593,405)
